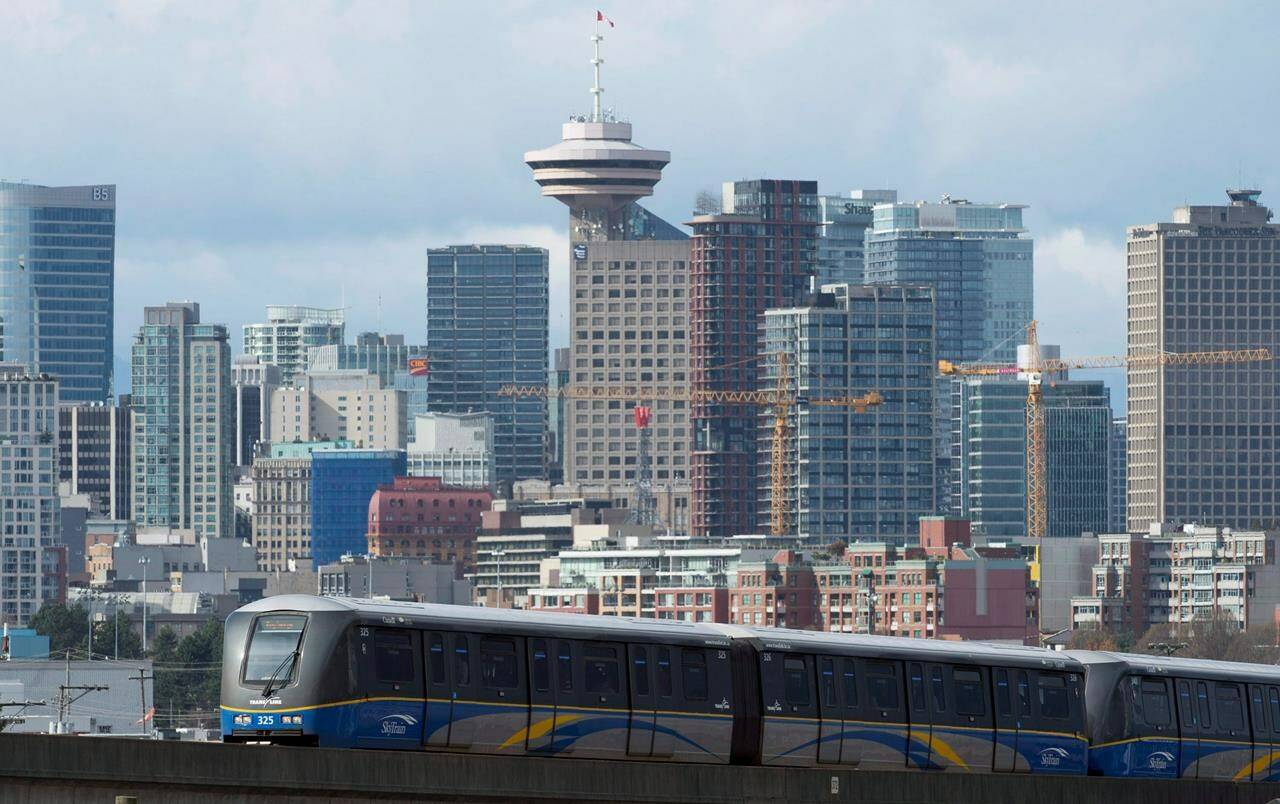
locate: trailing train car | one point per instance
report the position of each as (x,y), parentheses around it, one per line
(1190,718)
(338,672)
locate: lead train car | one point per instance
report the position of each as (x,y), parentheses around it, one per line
(411,676)
(1182,718)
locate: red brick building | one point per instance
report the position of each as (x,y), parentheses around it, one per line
(422,517)
(781,592)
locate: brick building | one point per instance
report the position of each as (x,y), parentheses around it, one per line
(422,517)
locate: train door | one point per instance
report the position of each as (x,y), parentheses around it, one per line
(601,724)
(920,730)
(1006,722)
(501,695)
(1154,732)
(791,723)
(463,708)
(644,709)
(1273,711)
(882,744)
(439,693)
(1262,744)
(1188,729)
(1229,729)
(665,726)
(542,698)
(971,725)
(831,725)
(392,714)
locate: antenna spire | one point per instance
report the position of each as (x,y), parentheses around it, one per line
(596,61)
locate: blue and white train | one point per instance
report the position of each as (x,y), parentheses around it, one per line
(337,672)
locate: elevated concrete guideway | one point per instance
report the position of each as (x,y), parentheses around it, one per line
(35,769)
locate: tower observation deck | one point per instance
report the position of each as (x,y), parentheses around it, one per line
(596,170)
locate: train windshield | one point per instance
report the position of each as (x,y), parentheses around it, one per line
(272,648)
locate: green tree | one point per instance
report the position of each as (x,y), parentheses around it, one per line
(106,634)
(66,626)
(203,650)
(170,683)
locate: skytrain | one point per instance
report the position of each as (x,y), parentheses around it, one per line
(339,672)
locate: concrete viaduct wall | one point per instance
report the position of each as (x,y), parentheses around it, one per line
(35,769)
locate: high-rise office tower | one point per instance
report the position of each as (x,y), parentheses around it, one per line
(979,259)
(289,334)
(347,405)
(1117,459)
(32,567)
(842,231)
(342,483)
(1204,439)
(993,454)
(252,383)
(183,423)
(404,367)
(628,271)
(95,454)
(487,326)
(557,379)
(57,271)
(861,476)
(760,252)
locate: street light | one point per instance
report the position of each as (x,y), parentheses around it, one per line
(1167,648)
(144,561)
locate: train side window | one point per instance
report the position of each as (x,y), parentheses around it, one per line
(850,683)
(461,661)
(664,672)
(393,656)
(541,667)
(969,697)
(498,663)
(602,675)
(795,683)
(939,690)
(1053,696)
(640,671)
(1004,703)
(435,653)
(1155,703)
(1273,703)
(1230,709)
(1202,697)
(882,685)
(1024,694)
(564,666)
(693,665)
(828,677)
(917,686)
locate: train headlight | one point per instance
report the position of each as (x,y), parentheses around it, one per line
(243,720)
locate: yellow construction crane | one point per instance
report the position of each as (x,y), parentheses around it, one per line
(1034,372)
(781,398)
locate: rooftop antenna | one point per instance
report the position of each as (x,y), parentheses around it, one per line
(596,61)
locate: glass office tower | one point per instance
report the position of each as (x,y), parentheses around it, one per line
(487,320)
(57,276)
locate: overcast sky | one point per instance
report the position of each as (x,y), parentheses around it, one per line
(308,153)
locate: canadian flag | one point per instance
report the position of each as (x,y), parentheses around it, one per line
(600,17)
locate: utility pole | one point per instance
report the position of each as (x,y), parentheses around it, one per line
(5,722)
(65,697)
(142,680)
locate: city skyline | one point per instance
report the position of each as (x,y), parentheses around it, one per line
(273,143)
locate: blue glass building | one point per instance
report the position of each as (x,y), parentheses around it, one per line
(859,476)
(342,483)
(487,319)
(57,276)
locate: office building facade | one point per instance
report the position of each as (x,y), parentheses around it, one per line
(422,517)
(288,335)
(456,448)
(183,430)
(342,483)
(281,518)
(32,564)
(95,454)
(993,456)
(252,384)
(339,405)
(487,326)
(858,476)
(57,263)
(759,253)
(1117,460)
(1203,440)
(842,231)
(557,379)
(376,353)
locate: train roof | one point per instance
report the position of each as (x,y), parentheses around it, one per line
(1175,666)
(908,648)
(488,620)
